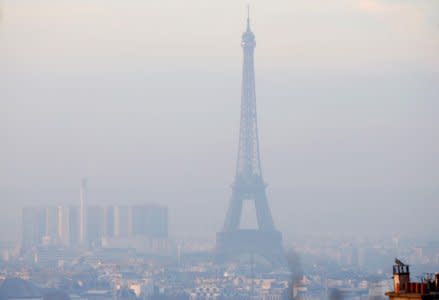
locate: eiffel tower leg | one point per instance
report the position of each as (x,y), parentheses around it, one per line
(263,214)
(234,212)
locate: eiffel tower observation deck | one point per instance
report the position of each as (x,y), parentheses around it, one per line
(265,242)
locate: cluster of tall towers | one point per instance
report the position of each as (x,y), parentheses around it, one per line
(87,225)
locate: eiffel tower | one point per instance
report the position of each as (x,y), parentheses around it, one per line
(249,185)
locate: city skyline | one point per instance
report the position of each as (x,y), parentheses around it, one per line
(347,113)
(148,152)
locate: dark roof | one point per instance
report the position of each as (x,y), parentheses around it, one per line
(18,288)
(52,294)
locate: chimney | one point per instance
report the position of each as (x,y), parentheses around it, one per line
(401,277)
(436,281)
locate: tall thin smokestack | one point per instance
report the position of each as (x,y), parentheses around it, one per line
(83,212)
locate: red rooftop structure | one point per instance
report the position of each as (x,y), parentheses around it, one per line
(404,289)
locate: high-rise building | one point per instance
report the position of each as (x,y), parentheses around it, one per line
(150,220)
(74,225)
(108,230)
(141,227)
(64,225)
(51,224)
(33,227)
(95,224)
(123,221)
(83,212)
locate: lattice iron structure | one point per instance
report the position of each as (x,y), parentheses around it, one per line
(249,183)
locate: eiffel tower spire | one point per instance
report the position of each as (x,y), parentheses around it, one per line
(248,162)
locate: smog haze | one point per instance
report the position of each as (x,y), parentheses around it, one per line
(143,99)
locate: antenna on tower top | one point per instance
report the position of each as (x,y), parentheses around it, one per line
(248,16)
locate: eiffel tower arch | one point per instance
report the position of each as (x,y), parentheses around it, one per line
(249,185)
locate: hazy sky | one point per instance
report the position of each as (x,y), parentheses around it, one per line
(143,98)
